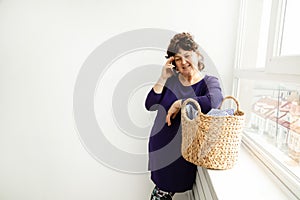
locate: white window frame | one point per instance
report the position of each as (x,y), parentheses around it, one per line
(274,62)
(277,68)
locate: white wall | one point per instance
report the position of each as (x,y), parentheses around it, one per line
(42,47)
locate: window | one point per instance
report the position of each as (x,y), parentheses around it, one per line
(267,84)
(290,37)
(283,55)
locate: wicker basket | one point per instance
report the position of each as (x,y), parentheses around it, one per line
(212,142)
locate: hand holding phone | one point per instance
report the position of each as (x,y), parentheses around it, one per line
(168,69)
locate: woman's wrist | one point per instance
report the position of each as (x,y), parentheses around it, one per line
(179,103)
(162,80)
(158,87)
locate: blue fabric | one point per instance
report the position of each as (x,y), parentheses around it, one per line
(191,112)
(218,112)
(169,171)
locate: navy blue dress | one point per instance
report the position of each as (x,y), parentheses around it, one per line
(169,171)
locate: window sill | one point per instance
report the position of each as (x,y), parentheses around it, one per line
(248,179)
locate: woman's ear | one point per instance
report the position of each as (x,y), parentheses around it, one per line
(200,61)
(200,57)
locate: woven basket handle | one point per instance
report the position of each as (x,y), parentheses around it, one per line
(183,107)
(234,99)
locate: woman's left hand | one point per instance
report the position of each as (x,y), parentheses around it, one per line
(173,111)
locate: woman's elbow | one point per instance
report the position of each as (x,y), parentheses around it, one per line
(216,100)
(150,106)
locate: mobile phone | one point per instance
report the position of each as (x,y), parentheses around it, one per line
(174,68)
(173,63)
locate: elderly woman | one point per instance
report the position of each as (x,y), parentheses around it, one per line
(181,78)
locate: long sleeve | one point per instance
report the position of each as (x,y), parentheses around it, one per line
(213,95)
(152,100)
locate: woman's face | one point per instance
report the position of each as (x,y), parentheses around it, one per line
(186,62)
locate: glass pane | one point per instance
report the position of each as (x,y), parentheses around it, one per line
(273,119)
(256,19)
(291,32)
(263,34)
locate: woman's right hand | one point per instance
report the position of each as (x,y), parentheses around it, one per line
(167,70)
(166,73)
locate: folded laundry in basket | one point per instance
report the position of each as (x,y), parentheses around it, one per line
(218,112)
(192,112)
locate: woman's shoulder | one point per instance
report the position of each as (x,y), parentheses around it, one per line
(210,78)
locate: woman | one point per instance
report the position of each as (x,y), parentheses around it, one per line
(181,78)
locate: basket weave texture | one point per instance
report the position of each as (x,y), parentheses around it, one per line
(211,142)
